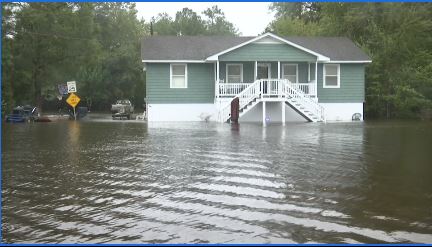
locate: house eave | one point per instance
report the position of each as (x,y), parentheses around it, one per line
(350,61)
(173,61)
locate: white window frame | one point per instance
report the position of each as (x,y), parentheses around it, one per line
(338,76)
(233,64)
(283,70)
(186,75)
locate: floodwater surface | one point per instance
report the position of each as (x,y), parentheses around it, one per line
(132,182)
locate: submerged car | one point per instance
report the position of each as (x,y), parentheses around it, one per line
(122,109)
(22,114)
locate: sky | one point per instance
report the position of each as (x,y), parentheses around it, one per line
(250,18)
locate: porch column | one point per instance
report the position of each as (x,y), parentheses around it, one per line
(283,113)
(256,71)
(264,114)
(316,79)
(217,79)
(279,70)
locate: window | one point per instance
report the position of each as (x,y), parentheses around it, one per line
(178,76)
(234,73)
(290,72)
(331,76)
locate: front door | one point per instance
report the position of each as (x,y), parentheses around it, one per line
(263,71)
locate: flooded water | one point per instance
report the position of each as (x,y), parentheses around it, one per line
(118,181)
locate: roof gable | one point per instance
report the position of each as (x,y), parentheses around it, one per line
(274,37)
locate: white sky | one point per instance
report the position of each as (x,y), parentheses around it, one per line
(251,18)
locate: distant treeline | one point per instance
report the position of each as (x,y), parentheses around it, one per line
(98,45)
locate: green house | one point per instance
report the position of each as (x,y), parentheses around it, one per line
(271,78)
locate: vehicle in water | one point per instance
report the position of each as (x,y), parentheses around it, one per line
(22,114)
(122,109)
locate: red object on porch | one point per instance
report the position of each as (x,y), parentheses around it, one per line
(235,104)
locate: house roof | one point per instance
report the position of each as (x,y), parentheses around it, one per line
(202,47)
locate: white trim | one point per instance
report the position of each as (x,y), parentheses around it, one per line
(241,71)
(283,70)
(268,69)
(186,75)
(338,76)
(364,61)
(320,56)
(316,80)
(217,71)
(173,61)
(279,74)
(311,65)
(255,70)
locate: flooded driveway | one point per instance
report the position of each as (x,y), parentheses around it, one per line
(126,181)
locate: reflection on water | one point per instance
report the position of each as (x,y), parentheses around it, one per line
(119,181)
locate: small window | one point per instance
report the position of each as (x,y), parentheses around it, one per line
(331,76)
(178,76)
(290,72)
(234,73)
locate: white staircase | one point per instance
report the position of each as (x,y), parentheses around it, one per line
(275,90)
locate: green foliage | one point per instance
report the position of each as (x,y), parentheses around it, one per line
(294,27)
(397,36)
(216,23)
(95,44)
(188,22)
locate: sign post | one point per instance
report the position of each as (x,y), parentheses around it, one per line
(73,101)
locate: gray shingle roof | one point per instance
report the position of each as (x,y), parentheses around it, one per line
(201,47)
(336,48)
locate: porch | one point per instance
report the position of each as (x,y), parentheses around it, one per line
(231,78)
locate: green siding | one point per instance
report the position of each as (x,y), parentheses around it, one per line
(352,84)
(200,84)
(267,52)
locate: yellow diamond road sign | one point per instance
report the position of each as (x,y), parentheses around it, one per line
(73,100)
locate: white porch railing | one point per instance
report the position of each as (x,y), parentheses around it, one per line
(232,89)
(279,90)
(306,88)
(247,95)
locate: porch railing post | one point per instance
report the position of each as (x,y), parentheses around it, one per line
(316,79)
(256,70)
(217,79)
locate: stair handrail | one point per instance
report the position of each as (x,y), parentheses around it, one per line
(245,97)
(307,102)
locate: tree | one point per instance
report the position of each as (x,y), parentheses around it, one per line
(305,11)
(216,23)
(396,35)
(96,44)
(163,25)
(188,22)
